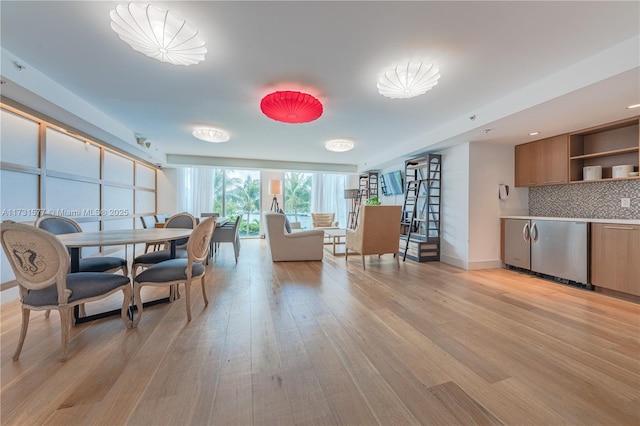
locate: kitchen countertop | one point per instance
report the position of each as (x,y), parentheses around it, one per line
(582,219)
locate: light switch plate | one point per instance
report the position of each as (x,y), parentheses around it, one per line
(625,202)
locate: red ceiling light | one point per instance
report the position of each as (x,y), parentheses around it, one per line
(291,107)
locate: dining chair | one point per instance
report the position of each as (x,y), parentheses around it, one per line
(161,218)
(227,234)
(179,220)
(40,263)
(179,271)
(149,222)
(58,225)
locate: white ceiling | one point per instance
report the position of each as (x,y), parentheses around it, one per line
(516,66)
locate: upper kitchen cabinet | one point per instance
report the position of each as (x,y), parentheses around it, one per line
(543,162)
(614,144)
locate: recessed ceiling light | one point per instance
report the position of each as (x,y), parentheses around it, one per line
(534,133)
(211,134)
(339,145)
(407,80)
(158,34)
(633,106)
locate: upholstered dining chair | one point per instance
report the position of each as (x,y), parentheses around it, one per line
(377,232)
(179,271)
(227,234)
(40,263)
(58,225)
(179,220)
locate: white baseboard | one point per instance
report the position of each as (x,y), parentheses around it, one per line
(454,261)
(470,266)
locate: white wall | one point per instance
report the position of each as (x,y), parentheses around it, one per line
(454,231)
(167,194)
(489,166)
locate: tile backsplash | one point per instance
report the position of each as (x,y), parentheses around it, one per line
(598,200)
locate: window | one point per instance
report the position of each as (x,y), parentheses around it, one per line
(297,197)
(238,194)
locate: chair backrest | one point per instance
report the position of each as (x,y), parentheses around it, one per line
(148,222)
(274,226)
(322,219)
(236,225)
(57,225)
(379,227)
(198,244)
(37,257)
(181,220)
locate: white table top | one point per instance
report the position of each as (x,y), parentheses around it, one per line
(122,236)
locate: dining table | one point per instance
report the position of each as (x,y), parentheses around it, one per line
(75,241)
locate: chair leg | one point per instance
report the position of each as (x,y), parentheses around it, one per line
(47,313)
(65,324)
(126,302)
(23,332)
(204,291)
(138,300)
(187,294)
(363,267)
(236,250)
(397,260)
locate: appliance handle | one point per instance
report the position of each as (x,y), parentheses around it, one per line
(534,232)
(525,233)
(626,228)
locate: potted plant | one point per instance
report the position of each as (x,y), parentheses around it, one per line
(373,201)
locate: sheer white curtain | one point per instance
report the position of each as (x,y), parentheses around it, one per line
(327,195)
(195,190)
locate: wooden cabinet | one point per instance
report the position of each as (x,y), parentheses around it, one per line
(611,145)
(543,162)
(615,257)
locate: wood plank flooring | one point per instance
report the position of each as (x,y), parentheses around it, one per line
(326,343)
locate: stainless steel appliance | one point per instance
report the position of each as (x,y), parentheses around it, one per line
(556,248)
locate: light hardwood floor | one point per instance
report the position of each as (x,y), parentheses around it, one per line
(321,343)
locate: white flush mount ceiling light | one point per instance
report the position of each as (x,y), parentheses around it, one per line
(339,145)
(211,134)
(408,80)
(158,34)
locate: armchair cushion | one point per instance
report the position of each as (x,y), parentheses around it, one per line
(287,224)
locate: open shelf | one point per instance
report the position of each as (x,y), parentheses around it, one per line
(606,146)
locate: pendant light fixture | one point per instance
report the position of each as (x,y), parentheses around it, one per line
(408,80)
(158,34)
(291,107)
(339,145)
(210,134)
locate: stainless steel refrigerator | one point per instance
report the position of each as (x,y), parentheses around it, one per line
(550,247)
